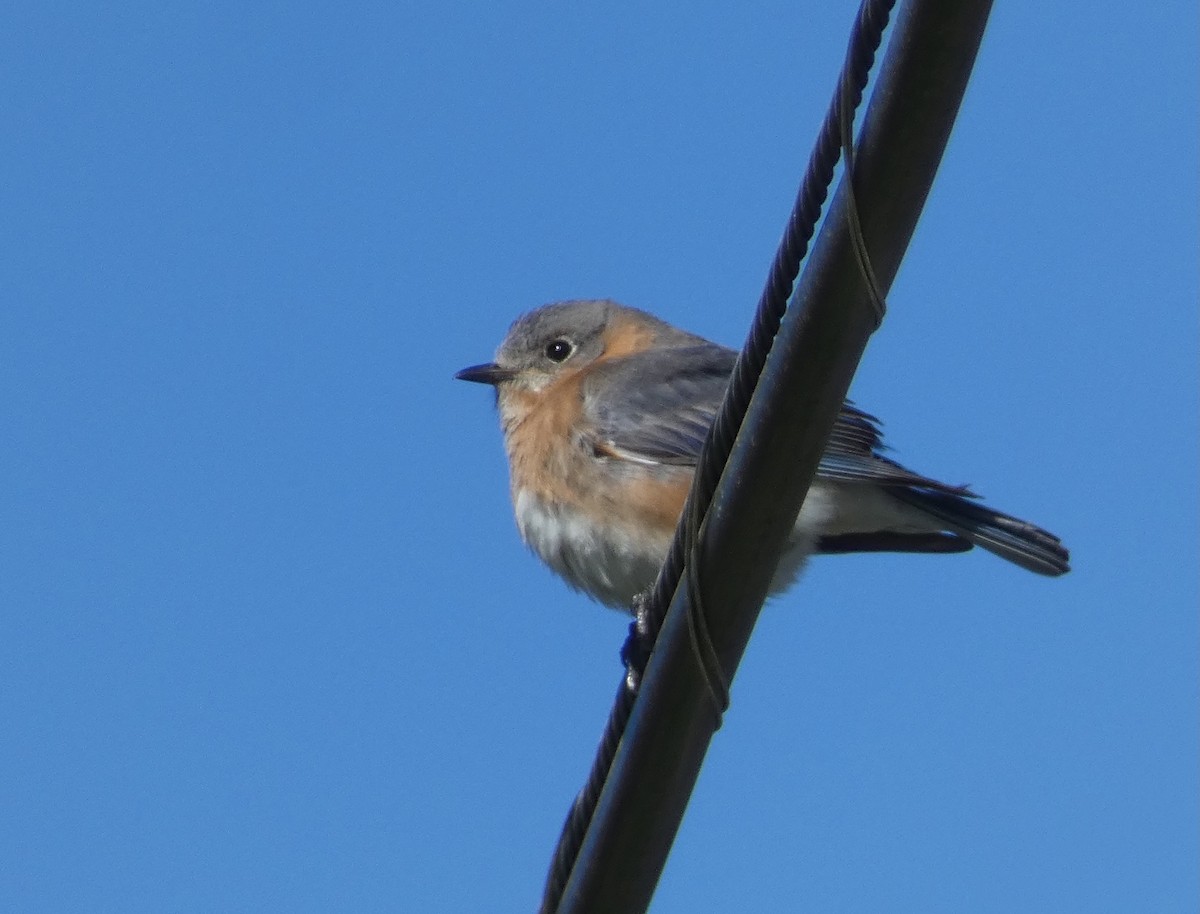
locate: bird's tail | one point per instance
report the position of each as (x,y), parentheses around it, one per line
(1016,540)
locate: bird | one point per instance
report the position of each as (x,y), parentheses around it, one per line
(604,409)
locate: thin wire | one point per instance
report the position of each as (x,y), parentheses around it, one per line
(845,102)
(836,135)
(855,224)
(703,649)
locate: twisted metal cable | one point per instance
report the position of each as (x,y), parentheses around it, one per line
(835,137)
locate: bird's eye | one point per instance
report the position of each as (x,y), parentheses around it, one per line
(558,350)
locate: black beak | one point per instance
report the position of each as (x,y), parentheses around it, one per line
(487,373)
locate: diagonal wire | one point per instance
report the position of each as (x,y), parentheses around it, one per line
(836,132)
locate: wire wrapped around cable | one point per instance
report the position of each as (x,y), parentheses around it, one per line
(865,39)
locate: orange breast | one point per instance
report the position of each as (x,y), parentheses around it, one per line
(552,458)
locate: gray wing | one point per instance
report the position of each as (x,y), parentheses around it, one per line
(655,407)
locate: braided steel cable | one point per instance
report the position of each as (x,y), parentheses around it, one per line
(865,39)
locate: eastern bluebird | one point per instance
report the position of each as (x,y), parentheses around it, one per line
(604,409)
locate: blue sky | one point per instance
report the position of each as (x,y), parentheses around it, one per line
(268,637)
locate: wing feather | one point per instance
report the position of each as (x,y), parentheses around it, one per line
(655,407)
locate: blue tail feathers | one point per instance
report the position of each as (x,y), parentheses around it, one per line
(1018,541)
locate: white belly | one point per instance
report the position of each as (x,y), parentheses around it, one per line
(615,564)
(610,564)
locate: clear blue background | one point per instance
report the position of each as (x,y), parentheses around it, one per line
(268,637)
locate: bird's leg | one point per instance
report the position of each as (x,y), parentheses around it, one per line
(635,653)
